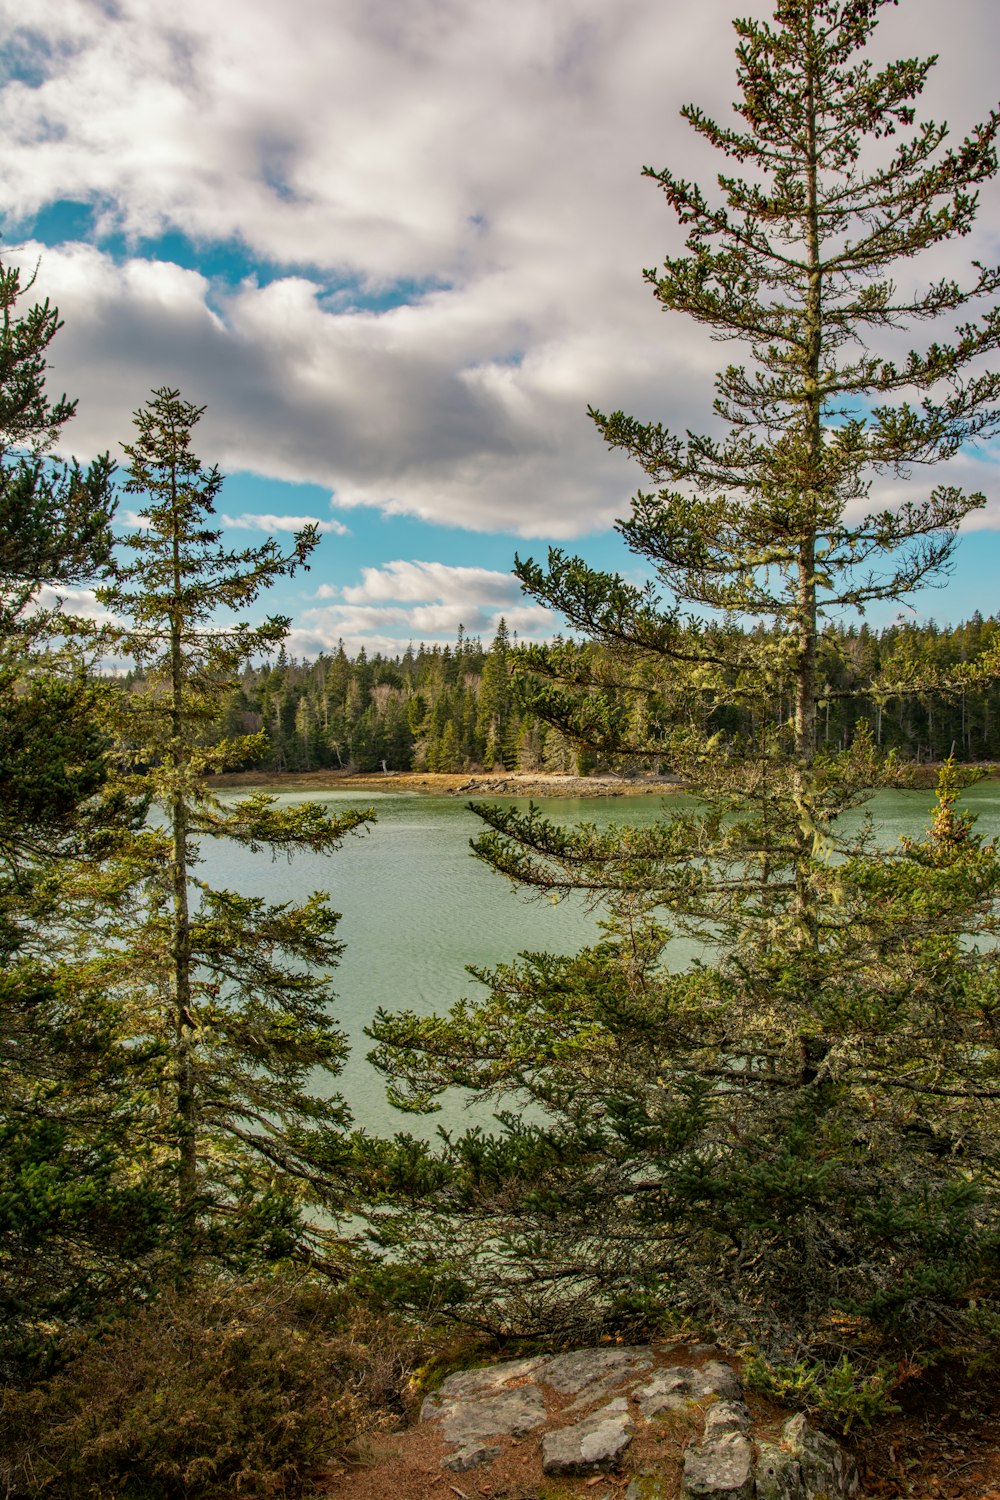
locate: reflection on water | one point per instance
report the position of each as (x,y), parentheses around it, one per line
(418,907)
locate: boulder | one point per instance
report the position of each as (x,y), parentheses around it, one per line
(717,1379)
(470,1457)
(779,1475)
(591,1446)
(513,1413)
(590,1374)
(669,1390)
(827,1471)
(466,1383)
(725,1417)
(719,1468)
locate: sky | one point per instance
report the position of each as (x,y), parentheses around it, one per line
(395,248)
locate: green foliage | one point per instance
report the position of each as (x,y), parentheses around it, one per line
(916,686)
(81,1210)
(796,1149)
(54,518)
(842,1395)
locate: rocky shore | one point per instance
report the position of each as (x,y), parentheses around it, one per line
(459,784)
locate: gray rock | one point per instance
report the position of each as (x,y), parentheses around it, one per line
(669,1390)
(717,1379)
(719,1469)
(471,1457)
(590,1374)
(647,1486)
(592,1446)
(513,1412)
(465,1383)
(827,1471)
(779,1475)
(726,1416)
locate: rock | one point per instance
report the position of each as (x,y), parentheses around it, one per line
(647,1486)
(465,1383)
(513,1412)
(720,1468)
(668,1391)
(591,1373)
(717,1379)
(827,1471)
(725,1417)
(779,1475)
(592,1446)
(471,1457)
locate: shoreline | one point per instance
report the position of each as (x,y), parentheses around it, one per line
(552,784)
(453,784)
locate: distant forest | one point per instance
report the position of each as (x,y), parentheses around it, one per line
(455,708)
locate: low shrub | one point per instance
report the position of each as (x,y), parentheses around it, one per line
(225,1391)
(841,1395)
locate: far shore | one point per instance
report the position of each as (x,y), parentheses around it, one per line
(454,784)
(511,783)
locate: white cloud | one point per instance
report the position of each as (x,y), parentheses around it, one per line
(246,521)
(72,602)
(252,521)
(421,601)
(488,154)
(413,581)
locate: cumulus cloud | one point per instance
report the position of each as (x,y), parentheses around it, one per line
(81,603)
(246,521)
(478,161)
(416,601)
(413,581)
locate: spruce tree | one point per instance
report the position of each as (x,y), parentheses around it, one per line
(234,990)
(791,1137)
(80,1214)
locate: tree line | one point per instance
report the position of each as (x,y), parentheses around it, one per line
(460,707)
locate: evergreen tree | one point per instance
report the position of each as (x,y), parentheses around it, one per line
(495,700)
(234,990)
(53,516)
(792,1141)
(79,1214)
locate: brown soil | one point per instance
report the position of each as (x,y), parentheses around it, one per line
(944,1445)
(441,783)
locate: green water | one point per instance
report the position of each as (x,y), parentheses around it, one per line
(417,907)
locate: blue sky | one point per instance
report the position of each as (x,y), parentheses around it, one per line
(396,250)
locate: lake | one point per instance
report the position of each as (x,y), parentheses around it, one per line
(417,907)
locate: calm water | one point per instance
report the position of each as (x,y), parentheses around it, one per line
(418,907)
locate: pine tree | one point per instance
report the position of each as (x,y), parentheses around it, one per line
(495,700)
(791,1140)
(53,515)
(234,990)
(79,1213)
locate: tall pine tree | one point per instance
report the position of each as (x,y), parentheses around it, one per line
(233,990)
(793,1140)
(79,1216)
